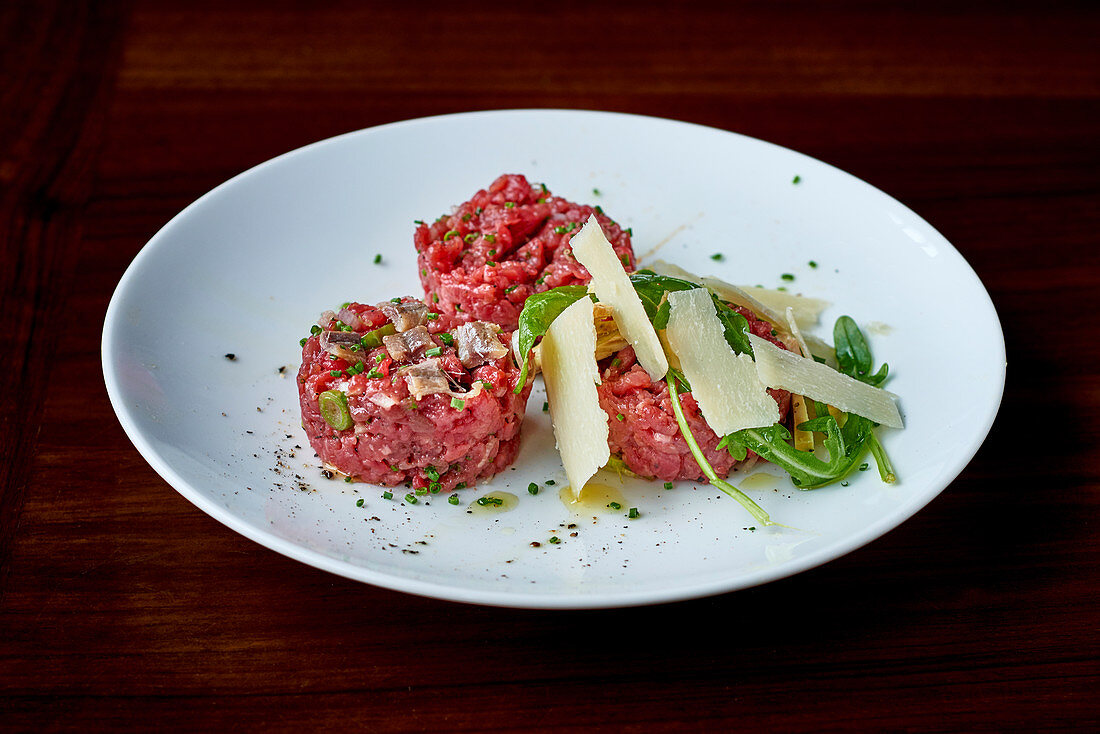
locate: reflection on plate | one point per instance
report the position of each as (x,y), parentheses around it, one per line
(288,239)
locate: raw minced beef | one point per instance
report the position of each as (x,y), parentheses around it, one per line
(507,242)
(419,412)
(642,426)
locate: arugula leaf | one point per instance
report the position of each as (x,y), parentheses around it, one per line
(846,446)
(735,325)
(539,311)
(651,289)
(853,356)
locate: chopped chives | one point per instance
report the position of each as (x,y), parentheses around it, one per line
(411,499)
(434,352)
(554,539)
(717,257)
(446,338)
(458,403)
(453,499)
(787,276)
(378,259)
(633,513)
(387,495)
(532,488)
(668,485)
(615,506)
(359,502)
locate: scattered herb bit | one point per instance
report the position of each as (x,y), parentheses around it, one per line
(668,485)
(378,259)
(422,491)
(490,238)
(434,352)
(620,417)
(387,495)
(554,540)
(614,505)
(633,513)
(595,192)
(532,488)
(470,237)
(359,502)
(453,499)
(509,205)
(864,466)
(336,373)
(812,263)
(302,341)
(796,180)
(545,407)
(787,276)
(450,234)
(458,403)
(446,338)
(315,330)
(550,482)
(411,499)
(717,257)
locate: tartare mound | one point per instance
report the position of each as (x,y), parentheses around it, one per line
(511,240)
(642,426)
(390,396)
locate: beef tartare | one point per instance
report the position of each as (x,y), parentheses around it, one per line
(510,240)
(389,395)
(642,428)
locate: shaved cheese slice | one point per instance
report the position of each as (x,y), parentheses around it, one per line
(807,311)
(759,301)
(787,371)
(725,384)
(570,374)
(725,291)
(612,286)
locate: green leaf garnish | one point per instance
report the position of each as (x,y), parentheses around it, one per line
(539,311)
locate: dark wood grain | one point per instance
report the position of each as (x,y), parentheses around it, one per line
(123,606)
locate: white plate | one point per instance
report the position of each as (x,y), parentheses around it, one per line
(249,266)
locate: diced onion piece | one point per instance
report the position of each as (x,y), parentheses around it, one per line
(724,384)
(787,371)
(570,373)
(612,286)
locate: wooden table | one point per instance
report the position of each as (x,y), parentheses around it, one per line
(122,605)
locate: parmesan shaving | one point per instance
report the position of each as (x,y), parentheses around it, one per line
(807,311)
(571,375)
(782,369)
(724,384)
(612,286)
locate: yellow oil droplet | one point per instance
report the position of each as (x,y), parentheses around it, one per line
(494,502)
(759,480)
(595,498)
